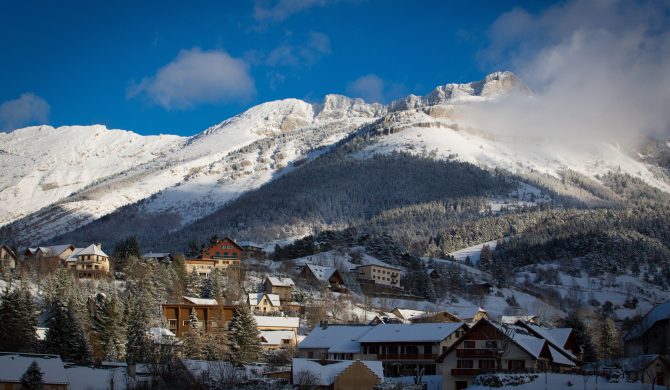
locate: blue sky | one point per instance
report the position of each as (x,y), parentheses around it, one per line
(169,67)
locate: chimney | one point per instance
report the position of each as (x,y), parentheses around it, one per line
(99,245)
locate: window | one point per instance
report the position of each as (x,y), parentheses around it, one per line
(465,363)
(487,364)
(516,365)
(310,355)
(468,344)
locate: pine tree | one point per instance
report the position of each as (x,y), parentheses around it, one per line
(245,337)
(106,318)
(193,343)
(18,320)
(193,284)
(584,340)
(65,336)
(207,290)
(217,340)
(610,342)
(32,379)
(138,345)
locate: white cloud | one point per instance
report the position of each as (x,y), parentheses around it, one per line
(373,89)
(27,109)
(369,87)
(316,46)
(598,69)
(195,77)
(281,9)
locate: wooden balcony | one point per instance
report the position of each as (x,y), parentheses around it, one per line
(475,353)
(466,371)
(407,356)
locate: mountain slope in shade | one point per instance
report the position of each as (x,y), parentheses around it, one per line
(190,178)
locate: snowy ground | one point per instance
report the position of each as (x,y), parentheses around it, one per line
(570,382)
(472,251)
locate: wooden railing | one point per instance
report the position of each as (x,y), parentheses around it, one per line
(475,352)
(466,371)
(406,356)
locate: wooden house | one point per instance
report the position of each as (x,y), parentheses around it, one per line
(322,276)
(89,262)
(8,258)
(48,257)
(492,347)
(280,286)
(208,311)
(223,255)
(651,333)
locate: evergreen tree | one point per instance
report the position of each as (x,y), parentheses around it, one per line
(207,290)
(245,337)
(138,345)
(65,336)
(124,250)
(193,284)
(584,341)
(217,340)
(610,342)
(106,318)
(32,379)
(18,320)
(193,346)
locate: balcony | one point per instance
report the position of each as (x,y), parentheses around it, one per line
(406,356)
(466,371)
(475,353)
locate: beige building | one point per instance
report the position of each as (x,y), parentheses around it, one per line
(89,262)
(337,375)
(379,274)
(264,302)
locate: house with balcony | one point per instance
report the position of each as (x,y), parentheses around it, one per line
(49,257)
(208,311)
(322,276)
(492,347)
(379,274)
(88,263)
(405,348)
(223,255)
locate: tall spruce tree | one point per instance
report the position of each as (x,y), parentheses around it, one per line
(244,335)
(610,342)
(139,347)
(106,326)
(217,340)
(584,340)
(193,284)
(65,336)
(32,379)
(193,341)
(18,320)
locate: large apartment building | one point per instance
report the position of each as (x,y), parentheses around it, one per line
(379,274)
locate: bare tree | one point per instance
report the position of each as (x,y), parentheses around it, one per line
(306,380)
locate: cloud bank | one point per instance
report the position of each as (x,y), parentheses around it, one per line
(196,77)
(28,109)
(598,69)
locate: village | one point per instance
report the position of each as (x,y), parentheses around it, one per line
(230,322)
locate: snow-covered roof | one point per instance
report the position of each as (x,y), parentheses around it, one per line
(379,265)
(559,358)
(275,337)
(326,373)
(533,345)
(425,332)
(155,255)
(249,244)
(281,282)
(638,363)
(157,334)
(277,322)
(513,319)
(406,314)
(13,365)
(658,313)
(201,301)
(336,338)
(92,250)
(56,250)
(255,298)
(74,254)
(560,335)
(465,313)
(320,272)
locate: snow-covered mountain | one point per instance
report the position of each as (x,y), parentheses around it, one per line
(59,179)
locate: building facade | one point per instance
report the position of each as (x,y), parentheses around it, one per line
(387,276)
(208,311)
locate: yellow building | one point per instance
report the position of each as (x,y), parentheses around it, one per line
(89,262)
